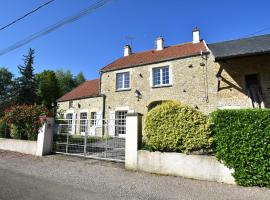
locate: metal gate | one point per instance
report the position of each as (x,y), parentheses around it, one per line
(90,138)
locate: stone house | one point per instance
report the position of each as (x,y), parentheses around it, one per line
(230,74)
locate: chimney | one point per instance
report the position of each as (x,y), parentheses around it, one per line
(127,50)
(196,35)
(159,43)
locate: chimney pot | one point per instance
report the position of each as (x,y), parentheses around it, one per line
(127,50)
(159,43)
(196,35)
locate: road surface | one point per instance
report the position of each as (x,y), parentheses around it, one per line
(25,177)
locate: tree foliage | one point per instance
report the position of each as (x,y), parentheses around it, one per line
(26,84)
(6,89)
(48,89)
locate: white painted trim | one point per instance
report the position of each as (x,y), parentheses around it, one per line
(124,108)
(170,66)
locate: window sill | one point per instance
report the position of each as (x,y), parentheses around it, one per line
(161,86)
(123,90)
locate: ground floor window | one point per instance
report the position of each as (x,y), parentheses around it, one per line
(93,120)
(69,118)
(83,122)
(120,122)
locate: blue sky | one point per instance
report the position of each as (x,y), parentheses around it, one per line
(97,39)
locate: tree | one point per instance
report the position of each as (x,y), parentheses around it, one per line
(6,88)
(48,89)
(26,85)
(66,81)
(79,79)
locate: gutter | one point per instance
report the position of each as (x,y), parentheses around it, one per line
(103,104)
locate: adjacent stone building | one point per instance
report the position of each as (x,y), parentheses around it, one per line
(231,74)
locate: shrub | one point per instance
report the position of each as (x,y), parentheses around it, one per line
(243,143)
(14,132)
(25,120)
(2,129)
(172,126)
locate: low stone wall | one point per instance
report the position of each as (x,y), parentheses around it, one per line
(191,166)
(22,146)
(42,146)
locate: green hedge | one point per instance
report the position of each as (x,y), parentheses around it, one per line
(172,126)
(2,128)
(243,143)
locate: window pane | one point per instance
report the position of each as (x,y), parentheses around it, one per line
(93,120)
(83,122)
(165,75)
(120,122)
(156,76)
(119,81)
(126,80)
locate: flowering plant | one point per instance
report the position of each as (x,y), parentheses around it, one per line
(27,119)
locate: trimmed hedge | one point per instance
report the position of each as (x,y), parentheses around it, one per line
(243,143)
(175,127)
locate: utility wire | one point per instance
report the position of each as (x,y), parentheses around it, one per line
(27,14)
(259,31)
(55,26)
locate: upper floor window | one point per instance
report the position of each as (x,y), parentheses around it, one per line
(161,76)
(70,104)
(122,81)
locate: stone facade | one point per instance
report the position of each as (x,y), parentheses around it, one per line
(194,82)
(86,105)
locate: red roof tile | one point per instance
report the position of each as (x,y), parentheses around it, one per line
(153,56)
(87,89)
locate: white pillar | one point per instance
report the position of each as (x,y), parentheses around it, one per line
(45,138)
(133,139)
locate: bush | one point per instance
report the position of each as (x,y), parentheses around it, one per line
(243,143)
(172,126)
(2,129)
(24,121)
(14,132)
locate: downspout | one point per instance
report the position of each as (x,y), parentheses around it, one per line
(103,104)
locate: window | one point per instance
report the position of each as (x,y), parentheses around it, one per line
(69,118)
(93,120)
(161,76)
(83,122)
(122,81)
(120,122)
(70,104)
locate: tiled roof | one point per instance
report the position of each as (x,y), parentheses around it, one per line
(87,89)
(241,47)
(153,56)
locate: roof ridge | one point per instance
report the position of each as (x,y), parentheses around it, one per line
(243,38)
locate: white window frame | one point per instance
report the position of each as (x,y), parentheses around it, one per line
(93,121)
(123,81)
(161,76)
(83,122)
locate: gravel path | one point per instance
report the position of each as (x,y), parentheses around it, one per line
(62,177)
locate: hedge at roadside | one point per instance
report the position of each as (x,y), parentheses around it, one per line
(243,143)
(172,126)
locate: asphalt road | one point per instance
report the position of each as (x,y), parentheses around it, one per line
(56,177)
